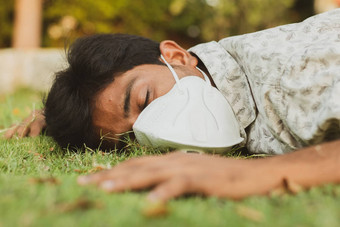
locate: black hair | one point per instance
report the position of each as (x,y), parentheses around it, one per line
(94,61)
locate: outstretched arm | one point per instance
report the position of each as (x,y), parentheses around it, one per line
(30,126)
(176,174)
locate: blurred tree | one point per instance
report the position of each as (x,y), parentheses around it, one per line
(152,18)
(233,17)
(186,21)
(27,24)
(6,23)
(325,5)
(303,9)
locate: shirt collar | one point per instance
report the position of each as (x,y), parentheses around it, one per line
(230,79)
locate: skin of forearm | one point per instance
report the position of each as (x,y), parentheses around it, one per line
(311,166)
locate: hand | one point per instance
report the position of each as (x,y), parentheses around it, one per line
(31,126)
(176,174)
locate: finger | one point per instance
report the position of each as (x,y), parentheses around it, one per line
(141,179)
(120,185)
(172,188)
(23,130)
(35,129)
(94,178)
(10,132)
(129,167)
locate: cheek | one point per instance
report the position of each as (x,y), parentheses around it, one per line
(164,87)
(133,120)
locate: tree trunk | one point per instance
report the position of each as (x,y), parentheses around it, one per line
(325,5)
(27,24)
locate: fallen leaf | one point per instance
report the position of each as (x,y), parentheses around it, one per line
(96,169)
(79,171)
(157,209)
(291,186)
(249,213)
(42,180)
(288,186)
(15,111)
(80,204)
(40,156)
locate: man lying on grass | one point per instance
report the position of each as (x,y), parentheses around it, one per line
(282,91)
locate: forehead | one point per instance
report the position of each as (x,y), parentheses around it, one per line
(108,114)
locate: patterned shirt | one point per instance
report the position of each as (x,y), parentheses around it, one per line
(283,83)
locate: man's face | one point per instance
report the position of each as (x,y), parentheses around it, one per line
(118,105)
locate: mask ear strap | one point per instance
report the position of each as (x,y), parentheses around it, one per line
(172,71)
(176,76)
(205,76)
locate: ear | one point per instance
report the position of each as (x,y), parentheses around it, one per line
(174,54)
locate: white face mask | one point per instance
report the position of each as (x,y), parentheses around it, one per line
(193,115)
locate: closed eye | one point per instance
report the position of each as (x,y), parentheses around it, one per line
(146,99)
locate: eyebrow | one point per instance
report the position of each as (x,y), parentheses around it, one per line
(127,98)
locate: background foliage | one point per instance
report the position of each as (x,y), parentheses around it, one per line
(186,21)
(6,21)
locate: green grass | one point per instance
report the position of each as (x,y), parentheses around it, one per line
(38,188)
